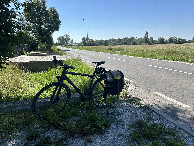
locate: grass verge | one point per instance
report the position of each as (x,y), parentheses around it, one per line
(16,84)
(54,49)
(173,52)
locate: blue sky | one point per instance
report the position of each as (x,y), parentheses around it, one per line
(105,19)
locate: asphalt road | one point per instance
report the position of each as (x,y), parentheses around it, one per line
(168,78)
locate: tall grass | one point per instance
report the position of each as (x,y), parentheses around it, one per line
(54,49)
(12,83)
(16,84)
(173,52)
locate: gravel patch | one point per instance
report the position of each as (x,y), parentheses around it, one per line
(119,133)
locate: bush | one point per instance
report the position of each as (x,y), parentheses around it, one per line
(42,47)
(54,49)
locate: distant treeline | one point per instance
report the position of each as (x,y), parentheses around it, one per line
(134,41)
(86,41)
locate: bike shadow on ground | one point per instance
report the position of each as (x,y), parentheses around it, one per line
(181,117)
(66,50)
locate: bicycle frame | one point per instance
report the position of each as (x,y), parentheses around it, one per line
(64,77)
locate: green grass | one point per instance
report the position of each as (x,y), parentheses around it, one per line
(154,134)
(16,84)
(173,52)
(54,49)
(13,84)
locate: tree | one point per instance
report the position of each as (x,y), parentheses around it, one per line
(151,40)
(161,40)
(106,42)
(84,41)
(61,40)
(146,39)
(181,41)
(71,42)
(125,41)
(9,26)
(171,40)
(192,40)
(119,41)
(41,23)
(67,39)
(140,40)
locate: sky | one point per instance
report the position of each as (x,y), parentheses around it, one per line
(106,19)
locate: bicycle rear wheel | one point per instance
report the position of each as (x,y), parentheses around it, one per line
(50,101)
(100,95)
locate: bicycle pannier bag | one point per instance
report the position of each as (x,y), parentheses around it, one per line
(115,82)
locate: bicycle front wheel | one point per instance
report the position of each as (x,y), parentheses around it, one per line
(50,101)
(100,96)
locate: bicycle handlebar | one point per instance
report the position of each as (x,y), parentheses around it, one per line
(56,62)
(99,63)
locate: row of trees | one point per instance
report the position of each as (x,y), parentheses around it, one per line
(134,41)
(29,22)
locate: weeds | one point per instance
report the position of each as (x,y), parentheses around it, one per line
(74,121)
(152,134)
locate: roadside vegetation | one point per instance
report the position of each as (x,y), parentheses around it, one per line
(16,84)
(146,132)
(77,121)
(53,49)
(173,52)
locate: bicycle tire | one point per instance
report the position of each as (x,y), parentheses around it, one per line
(45,104)
(100,96)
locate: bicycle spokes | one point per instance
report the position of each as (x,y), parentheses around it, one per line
(51,99)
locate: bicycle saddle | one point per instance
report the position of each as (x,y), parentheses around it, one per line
(99,63)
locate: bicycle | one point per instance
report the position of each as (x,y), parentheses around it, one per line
(56,95)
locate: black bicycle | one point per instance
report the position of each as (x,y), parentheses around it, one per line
(55,96)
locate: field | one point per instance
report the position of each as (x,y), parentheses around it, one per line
(173,52)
